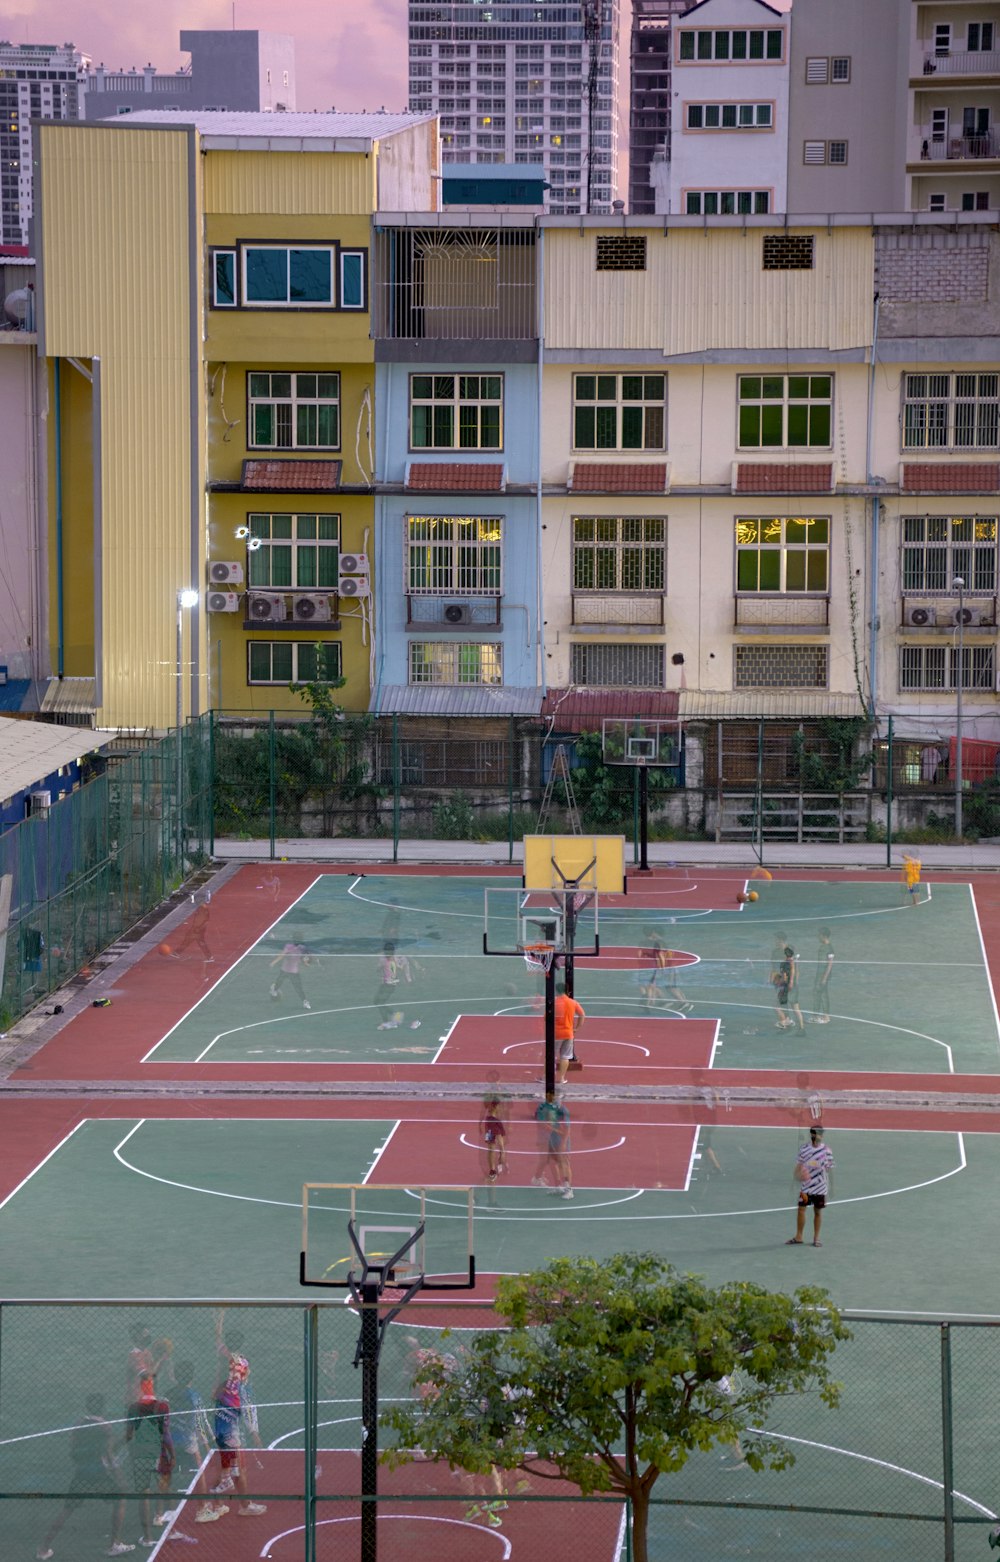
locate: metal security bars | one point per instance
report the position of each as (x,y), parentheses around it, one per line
(455,284)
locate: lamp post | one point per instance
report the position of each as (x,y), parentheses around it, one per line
(958,584)
(186,599)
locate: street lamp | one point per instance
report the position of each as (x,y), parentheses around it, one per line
(958,584)
(186,600)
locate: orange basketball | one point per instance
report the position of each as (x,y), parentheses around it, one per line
(742,899)
(164,949)
(753,895)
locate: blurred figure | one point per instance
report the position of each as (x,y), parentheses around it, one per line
(92,1455)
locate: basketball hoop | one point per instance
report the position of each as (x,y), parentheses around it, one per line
(539,957)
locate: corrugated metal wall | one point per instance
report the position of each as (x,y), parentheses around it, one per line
(703,289)
(290,183)
(114,214)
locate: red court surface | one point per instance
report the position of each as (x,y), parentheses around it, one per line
(618,1155)
(424,1511)
(643,1051)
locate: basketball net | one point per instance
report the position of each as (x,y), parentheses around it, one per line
(538,957)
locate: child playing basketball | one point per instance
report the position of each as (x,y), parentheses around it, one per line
(494,1134)
(911,877)
(662,959)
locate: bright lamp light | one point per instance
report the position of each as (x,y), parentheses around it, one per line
(187,598)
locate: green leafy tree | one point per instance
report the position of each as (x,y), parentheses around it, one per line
(612,1373)
(605,792)
(834,758)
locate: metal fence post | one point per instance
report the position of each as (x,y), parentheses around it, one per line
(888,798)
(635,816)
(311,1434)
(947,1445)
(760,791)
(510,788)
(271,782)
(395,787)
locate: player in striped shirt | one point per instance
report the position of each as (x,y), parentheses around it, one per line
(813,1166)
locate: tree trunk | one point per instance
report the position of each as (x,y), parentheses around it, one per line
(640,1524)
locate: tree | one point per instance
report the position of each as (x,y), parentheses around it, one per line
(611,1373)
(605,793)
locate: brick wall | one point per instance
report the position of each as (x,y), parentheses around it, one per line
(929,268)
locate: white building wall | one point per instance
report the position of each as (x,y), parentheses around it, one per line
(22,641)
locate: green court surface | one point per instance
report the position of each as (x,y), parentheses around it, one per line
(910,991)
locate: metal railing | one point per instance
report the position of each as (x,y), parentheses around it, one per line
(961,148)
(449,283)
(962,62)
(789,612)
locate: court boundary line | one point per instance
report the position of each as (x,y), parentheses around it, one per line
(986,964)
(381,1150)
(55,1148)
(229,969)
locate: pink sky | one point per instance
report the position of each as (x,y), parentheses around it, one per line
(349,54)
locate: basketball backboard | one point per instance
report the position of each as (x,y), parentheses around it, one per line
(584,861)
(638,740)
(519,919)
(426,1229)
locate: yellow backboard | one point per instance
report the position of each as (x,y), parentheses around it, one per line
(597,861)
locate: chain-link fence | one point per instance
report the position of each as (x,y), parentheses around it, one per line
(750,786)
(907,1464)
(75,877)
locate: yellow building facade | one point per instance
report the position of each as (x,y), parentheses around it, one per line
(205,298)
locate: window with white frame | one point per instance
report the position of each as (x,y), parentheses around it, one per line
(785,411)
(937,202)
(293,661)
(937,667)
(293,552)
(726,203)
(293,411)
(460,662)
(456,411)
(619,553)
(937,549)
(275,274)
(823,69)
(951,411)
(454,555)
(818,153)
(975,200)
(621,665)
(788,554)
(619,411)
(729,116)
(979,37)
(731,43)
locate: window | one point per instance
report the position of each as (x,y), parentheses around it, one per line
(619,553)
(732,44)
(273,275)
(980,37)
(975,200)
(730,116)
(726,203)
(456,411)
(942,38)
(840,69)
(293,661)
(951,411)
(223,278)
(817,153)
(454,555)
(294,411)
(458,662)
(619,252)
(836,153)
(617,666)
(785,410)
(820,70)
(780,667)
(937,667)
(787,252)
(937,203)
(619,411)
(296,552)
(936,548)
(787,554)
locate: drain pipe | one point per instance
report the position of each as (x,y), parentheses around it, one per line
(876,517)
(539,561)
(57,408)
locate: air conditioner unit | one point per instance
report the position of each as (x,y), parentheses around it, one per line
(223,601)
(354,586)
(354,564)
(919,617)
(220,574)
(458,613)
(267,607)
(312,607)
(970,617)
(39,802)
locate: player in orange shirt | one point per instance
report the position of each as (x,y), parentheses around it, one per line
(569,1018)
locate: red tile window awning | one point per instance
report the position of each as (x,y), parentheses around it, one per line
(784,477)
(455,477)
(291,477)
(583,710)
(951,477)
(612,477)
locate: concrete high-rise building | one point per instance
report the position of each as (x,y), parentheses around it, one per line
(239,70)
(37,81)
(649,95)
(512,84)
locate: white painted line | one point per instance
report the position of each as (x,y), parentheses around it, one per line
(592,1041)
(25,1180)
(597,1149)
(986,963)
(694,1156)
(410,1518)
(381,1151)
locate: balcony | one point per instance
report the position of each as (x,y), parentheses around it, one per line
(958,149)
(759,615)
(598,612)
(452,613)
(978,62)
(451,283)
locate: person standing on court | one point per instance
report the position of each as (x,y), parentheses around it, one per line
(824,971)
(553,1120)
(787,990)
(291,960)
(813,1166)
(569,1019)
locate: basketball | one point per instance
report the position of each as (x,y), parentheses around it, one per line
(753,895)
(164,949)
(742,899)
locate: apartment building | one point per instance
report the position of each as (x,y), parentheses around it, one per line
(205,326)
(512,84)
(236,69)
(37,81)
(649,118)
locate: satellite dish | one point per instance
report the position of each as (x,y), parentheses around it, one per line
(17,305)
